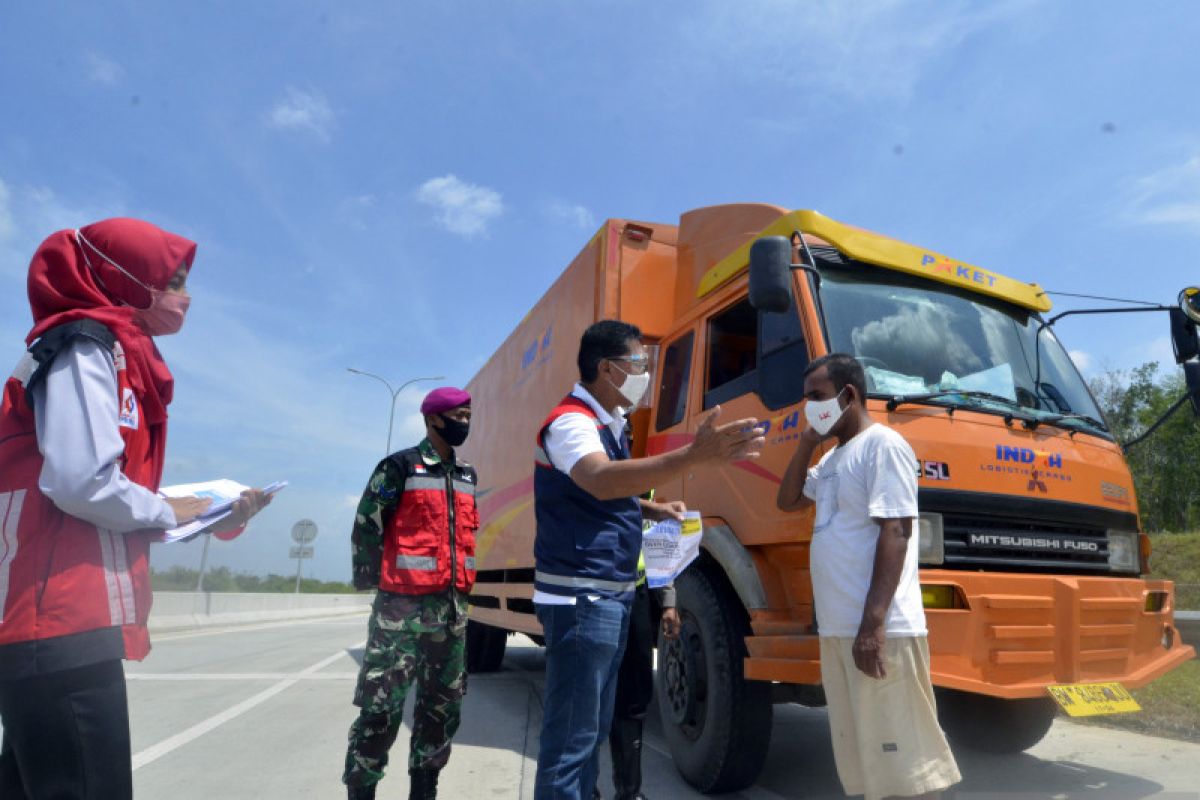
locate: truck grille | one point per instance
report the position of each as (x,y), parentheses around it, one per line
(979,541)
(1027,534)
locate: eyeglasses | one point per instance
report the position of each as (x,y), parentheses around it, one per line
(637,364)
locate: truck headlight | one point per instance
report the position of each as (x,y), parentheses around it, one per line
(1123,551)
(931,544)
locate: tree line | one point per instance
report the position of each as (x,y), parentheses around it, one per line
(1166,466)
(222,579)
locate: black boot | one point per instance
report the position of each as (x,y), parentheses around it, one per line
(361,792)
(422,784)
(625,741)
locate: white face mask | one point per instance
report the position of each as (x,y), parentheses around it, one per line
(634,388)
(822,415)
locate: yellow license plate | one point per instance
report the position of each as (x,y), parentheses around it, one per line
(1093,699)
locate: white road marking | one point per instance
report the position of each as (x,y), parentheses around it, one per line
(349,617)
(155,752)
(241,676)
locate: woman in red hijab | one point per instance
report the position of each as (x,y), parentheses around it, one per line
(83,428)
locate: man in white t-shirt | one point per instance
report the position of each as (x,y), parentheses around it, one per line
(863,561)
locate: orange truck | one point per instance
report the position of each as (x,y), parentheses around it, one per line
(1030,545)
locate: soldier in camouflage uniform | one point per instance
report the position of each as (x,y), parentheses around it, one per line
(414,540)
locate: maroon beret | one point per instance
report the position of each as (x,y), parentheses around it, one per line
(444,398)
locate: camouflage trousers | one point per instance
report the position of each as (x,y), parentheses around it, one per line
(411,639)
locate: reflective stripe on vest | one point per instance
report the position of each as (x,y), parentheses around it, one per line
(437,483)
(576,582)
(10,515)
(422,563)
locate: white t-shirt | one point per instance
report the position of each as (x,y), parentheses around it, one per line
(570,438)
(872,475)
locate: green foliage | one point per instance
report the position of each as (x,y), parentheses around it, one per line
(1177,557)
(222,579)
(1166,466)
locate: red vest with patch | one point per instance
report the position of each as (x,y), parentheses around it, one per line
(429,542)
(60,575)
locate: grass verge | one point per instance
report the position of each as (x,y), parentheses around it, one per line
(1171,704)
(1170,707)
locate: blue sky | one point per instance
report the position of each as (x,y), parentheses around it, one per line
(389,186)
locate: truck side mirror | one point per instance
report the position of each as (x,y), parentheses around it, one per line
(771,274)
(1183,336)
(1191,377)
(1189,303)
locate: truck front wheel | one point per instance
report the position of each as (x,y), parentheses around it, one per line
(993,724)
(717,724)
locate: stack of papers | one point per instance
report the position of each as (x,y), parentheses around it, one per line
(669,546)
(222,492)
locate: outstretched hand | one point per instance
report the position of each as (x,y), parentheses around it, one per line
(731,441)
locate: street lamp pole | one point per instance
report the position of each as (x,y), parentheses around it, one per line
(394,393)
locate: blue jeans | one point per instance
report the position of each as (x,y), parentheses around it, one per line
(584,646)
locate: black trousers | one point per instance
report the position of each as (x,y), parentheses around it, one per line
(635,678)
(66,736)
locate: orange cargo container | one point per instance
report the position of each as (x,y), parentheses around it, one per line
(1030,546)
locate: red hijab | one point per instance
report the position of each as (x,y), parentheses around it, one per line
(64,288)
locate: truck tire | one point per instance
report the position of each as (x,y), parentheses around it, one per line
(717,724)
(485,647)
(993,724)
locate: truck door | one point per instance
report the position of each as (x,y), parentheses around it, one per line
(668,426)
(753,366)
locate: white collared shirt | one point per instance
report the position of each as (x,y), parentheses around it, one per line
(573,435)
(568,439)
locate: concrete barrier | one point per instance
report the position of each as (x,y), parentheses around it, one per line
(176,610)
(1188,623)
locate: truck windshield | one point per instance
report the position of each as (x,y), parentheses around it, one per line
(933,343)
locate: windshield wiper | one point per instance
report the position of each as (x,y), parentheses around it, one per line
(900,399)
(897,400)
(1054,419)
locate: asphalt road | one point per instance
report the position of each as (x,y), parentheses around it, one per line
(261,712)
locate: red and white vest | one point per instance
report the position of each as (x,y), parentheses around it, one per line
(429,542)
(60,575)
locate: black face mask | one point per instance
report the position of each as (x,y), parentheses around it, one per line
(452,431)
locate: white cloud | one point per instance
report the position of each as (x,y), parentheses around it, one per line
(1170,196)
(1083,361)
(28,214)
(304,111)
(576,215)
(868,49)
(103,70)
(462,208)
